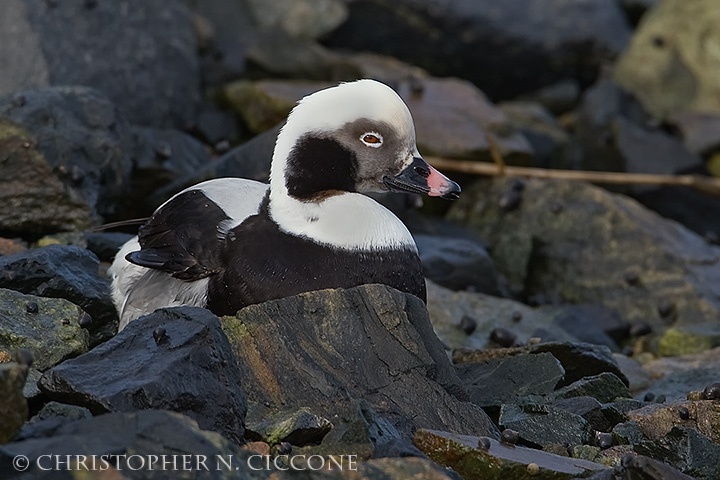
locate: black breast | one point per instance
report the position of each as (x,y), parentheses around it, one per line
(263,263)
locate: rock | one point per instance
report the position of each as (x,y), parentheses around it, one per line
(510,380)
(190,370)
(13,407)
(700,130)
(419,468)
(447,308)
(151,48)
(457,264)
(160,157)
(543,424)
(52,333)
(666,64)
(688,340)
(605,387)
(64,272)
(678,376)
(498,461)
(558,98)
(505,34)
(640,467)
(582,254)
(588,408)
(127,439)
(66,159)
(308,19)
(656,420)
(592,324)
(325,349)
(300,427)
(106,244)
(50,418)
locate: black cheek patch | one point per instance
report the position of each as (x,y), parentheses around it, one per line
(318,165)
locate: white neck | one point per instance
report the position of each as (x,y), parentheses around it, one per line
(350,221)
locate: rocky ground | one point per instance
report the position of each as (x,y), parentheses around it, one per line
(572,330)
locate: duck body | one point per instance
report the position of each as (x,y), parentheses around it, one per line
(228,243)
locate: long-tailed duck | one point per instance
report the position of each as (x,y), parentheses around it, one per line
(227,243)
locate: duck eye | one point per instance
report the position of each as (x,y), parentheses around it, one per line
(371,139)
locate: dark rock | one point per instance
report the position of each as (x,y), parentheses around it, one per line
(453,34)
(511,379)
(604,387)
(144,433)
(640,467)
(289,350)
(300,427)
(508,437)
(13,407)
(106,244)
(50,418)
(567,263)
(588,408)
(499,461)
(581,360)
(50,336)
(64,272)
(603,440)
(468,324)
(160,157)
(543,424)
(592,324)
(66,159)
(457,264)
(130,372)
(150,47)
(712,391)
(503,337)
(558,98)
(656,420)
(215,126)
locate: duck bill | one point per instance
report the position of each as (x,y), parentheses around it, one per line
(421,177)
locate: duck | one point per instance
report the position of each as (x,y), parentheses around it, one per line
(227,243)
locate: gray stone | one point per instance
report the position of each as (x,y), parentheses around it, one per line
(511,379)
(552,39)
(65,272)
(457,264)
(581,360)
(676,377)
(309,19)
(50,418)
(582,253)
(605,387)
(640,467)
(297,427)
(592,324)
(325,349)
(66,159)
(143,57)
(543,424)
(52,334)
(189,369)
(13,407)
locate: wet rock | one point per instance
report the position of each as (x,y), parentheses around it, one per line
(666,65)
(689,339)
(457,264)
(143,433)
(447,308)
(50,418)
(299,427)
(548,49)
(605,387)
(52,333)
(151,47)
(13,407)
(289,352)
(511,379)
(66,159)
(498,461)
(581,255)
(132,372)
(543,424)
(64,272)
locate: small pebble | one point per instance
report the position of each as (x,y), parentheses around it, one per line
(65,321)
(603,440)
(649,397)
(627,460)
(666,309)
(510,200)
(163,151)
(85,320)
(712,391)
(283,448)
(516,317)
(509,437)
(640,329)
(32,307)
(534,340)
(484,443)
(159,334)
(533,469)
(468,324)
(222,146)
(503,337)
(517,185)
(631,278)
(660,399)
(23,356)
(684,413)
(628,351)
